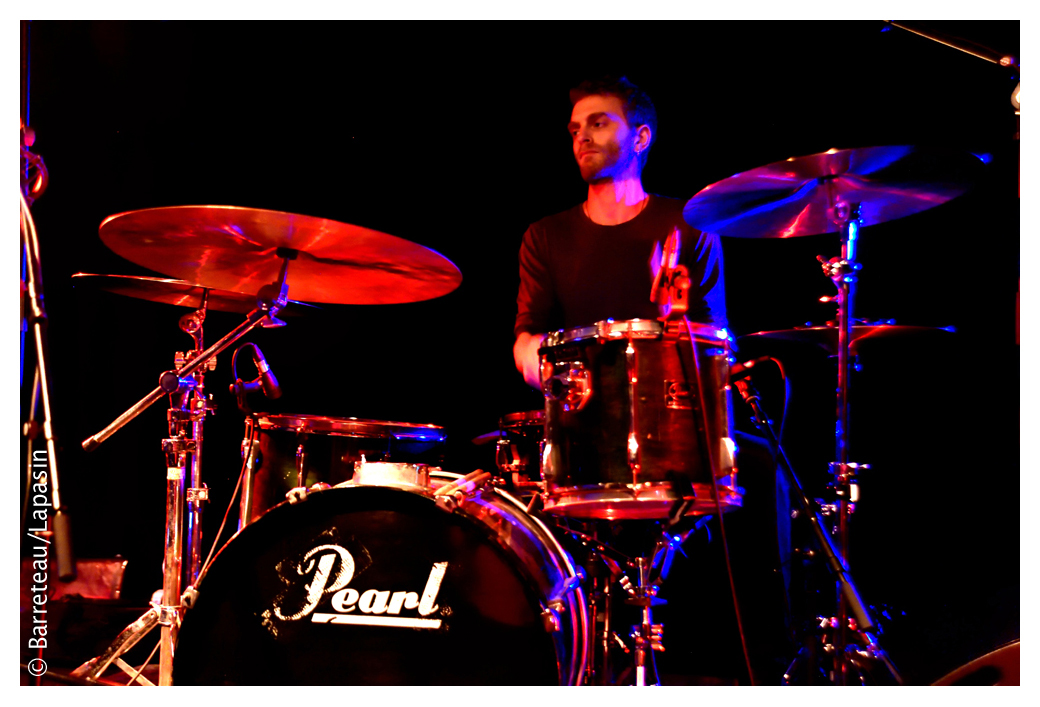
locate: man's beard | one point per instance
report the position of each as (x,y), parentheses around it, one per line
(605,164)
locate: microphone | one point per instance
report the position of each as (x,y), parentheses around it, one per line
(743,370)
(267,379)
(265,382)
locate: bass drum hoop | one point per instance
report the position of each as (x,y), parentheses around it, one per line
(574,601)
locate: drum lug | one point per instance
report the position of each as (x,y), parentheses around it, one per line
(453,495)
(448,503)
(551,617)
(300,493)
(297,495)
(572,386)
(564,588)
(555,606)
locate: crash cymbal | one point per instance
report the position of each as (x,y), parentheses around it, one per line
(240,250)
(797,197)
(178,292)
(826,337)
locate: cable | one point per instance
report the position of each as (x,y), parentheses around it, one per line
(787,397)
(220,531)
(133,678)
(718,503)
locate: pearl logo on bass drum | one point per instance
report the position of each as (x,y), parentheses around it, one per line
(324,573)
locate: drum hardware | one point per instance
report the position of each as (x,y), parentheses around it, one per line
(837,191)
(454,494)
(650,572)
(270,299)
(189,405)
(859,621)
(252,458)
(178,448)
(59,530)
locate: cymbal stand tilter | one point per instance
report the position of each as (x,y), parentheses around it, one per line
(178,384)
(860,621)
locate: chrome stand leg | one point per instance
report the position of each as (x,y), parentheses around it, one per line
(176,450)
(165,614)
(647,635)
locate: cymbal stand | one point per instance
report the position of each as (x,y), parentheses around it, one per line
(860,620)
(842,272)
(178,384)
(192,409)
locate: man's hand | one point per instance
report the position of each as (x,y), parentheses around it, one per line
(525,354)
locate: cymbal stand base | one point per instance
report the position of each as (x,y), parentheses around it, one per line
(93,669)
(167,614)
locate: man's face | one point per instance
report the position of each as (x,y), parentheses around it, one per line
(603,142)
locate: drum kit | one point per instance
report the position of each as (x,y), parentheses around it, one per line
(360,560)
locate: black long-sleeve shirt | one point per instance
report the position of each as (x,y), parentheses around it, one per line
(574,272)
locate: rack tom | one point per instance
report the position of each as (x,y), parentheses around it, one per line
(636,417)
(303,450)
(519,447)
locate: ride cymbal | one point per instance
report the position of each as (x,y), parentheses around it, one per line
(798,196)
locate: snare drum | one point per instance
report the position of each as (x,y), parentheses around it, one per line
(302,450)
(627,430)
(388,586)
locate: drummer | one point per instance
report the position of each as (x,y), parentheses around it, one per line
(592,262)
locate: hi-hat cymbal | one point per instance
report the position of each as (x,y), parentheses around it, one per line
(178,292)
(240,250)
(826,337)
(797,197)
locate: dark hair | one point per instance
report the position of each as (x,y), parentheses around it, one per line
(639,109)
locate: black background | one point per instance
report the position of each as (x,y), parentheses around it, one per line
(453,136)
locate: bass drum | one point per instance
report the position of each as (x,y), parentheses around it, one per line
(372,585)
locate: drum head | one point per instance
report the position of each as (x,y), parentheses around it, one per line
(362,586)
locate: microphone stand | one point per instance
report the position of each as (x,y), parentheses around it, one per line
(179,384)
(860,620)
(60,532)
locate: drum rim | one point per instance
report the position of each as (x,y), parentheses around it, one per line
(625,328)
(524,416)
(348,426)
